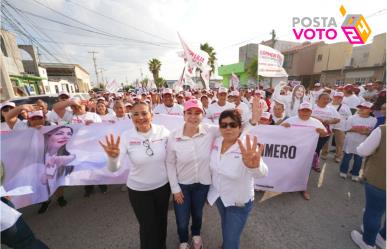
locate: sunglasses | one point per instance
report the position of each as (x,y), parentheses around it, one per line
(231,125)
(148,149)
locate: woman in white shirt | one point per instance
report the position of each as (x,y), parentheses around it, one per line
(234,167)
(148,186)
(103,113)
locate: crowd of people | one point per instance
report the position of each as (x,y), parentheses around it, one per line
(217,161)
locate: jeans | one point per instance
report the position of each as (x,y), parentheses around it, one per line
(233,221)
(373,214)
(151,210)
(195,196)
(20,236)
(356,164)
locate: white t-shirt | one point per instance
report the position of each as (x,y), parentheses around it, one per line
(88,116)
(5,127)
(214,110)
(352,101)
(147,153)
(53,117)
(246,114)
(354,139)
(326,113)
(344,112)
(108,118)
(311,122)
(176,109)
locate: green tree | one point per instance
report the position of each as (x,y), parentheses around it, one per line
(211,56)
(144,83)
(154,67)
(160,82)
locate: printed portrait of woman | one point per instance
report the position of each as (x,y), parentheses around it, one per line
(57,159)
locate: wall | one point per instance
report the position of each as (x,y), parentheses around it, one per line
(13,60)
(377,53)
(333,57)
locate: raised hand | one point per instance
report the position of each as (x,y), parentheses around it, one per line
(257,110)
(251,154)
(111,147)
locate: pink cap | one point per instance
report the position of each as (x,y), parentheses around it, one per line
(35,114)
(305,105)
(222,90)
(365,105)
(167,91)
(234,93)
(193,103)
(188,94)
(101,98)
(266,115)
(338,94)
(348,87)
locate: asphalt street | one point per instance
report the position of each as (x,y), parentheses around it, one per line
(284,221)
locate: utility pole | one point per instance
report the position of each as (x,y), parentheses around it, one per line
(101,70)
(95,66)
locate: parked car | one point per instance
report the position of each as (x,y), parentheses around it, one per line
(49,99)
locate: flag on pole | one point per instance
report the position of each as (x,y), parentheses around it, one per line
(234,81)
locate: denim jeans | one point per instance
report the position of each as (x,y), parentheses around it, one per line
(373,214)
(233,221)
(195,196)
(20,236)
(356,164)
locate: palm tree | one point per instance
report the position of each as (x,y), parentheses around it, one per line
(154,67)
(211,56)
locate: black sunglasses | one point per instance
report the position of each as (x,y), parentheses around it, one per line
(231,125)
(148,150)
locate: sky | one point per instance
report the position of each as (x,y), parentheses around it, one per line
(136,31)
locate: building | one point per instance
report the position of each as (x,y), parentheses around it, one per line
(69,77)
(299,62)
(341,63)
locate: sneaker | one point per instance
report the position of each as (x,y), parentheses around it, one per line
(61,201)
(355,178)
(343,175)
(337,160)
(380,241)
(197,242)
(358,239)
(184,246)
(43,208)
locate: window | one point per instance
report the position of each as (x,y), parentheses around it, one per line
(288,61)
(3,49)
(319,57)
(56,89)
(339,82)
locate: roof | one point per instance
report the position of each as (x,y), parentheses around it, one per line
(302,46)
(62,65)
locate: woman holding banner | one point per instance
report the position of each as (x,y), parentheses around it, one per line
(148,186)
(234,165)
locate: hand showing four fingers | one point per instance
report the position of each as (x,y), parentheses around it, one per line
(251,153)
(111,147)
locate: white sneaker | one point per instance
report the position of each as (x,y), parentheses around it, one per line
(355,178)
(380,242)
(184,246)
(343,175)
(358,239)
(197,242)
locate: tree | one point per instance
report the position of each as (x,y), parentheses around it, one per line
(273,38)
(160,82)
(144,83)
(154,67)
(211,56)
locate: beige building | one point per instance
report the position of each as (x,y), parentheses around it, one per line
(72,73)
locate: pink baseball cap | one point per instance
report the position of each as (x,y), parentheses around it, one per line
(64,93)
(305,105)
(338,94)
(35,114)
(366,104)
(7,103)
(193,103)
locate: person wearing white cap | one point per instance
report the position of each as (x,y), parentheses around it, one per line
(317,90)
(291,99)
(168,106)
(79,115)
(358,127)
(305,119)
(7,124)
(370,93)
(215,109)
(245,110)
(338,129)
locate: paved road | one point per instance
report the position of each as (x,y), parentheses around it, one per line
(285,221)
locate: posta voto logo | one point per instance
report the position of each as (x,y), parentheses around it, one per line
(355,28)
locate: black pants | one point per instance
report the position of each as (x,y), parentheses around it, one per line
(320,144)
(151,210)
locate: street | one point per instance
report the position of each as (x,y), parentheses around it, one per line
(284,221)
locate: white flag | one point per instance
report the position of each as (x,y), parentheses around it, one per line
(234,81)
